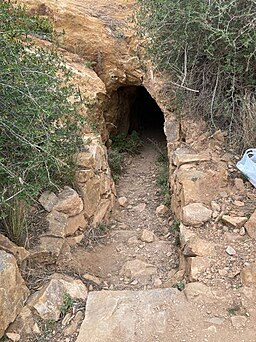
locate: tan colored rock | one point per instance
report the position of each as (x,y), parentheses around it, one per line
(185,235)
(147,236)
(74,223)
(47,302)
(195,266)
(82,176)
(74,240)
(13,291)
(238,322)
(239,203)
(198,247)
(133,241)
(91,195)
(184,156)
(49,249)
(230,250)
(69,202)
(8,246)
(239,184)
(24,324)
(73,326)
(138,269)
(48,200)
(195,214)
(13,337)
(92,278)
(235,221)
(248,275)
(162,210)
(250,226)
(57,224)
(177,277)
(102,211)
(198,292)
(123,201)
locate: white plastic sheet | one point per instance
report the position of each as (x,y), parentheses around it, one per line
(247,165)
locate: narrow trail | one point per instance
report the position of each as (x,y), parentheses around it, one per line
(123,260)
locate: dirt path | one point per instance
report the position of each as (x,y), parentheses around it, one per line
(123,260)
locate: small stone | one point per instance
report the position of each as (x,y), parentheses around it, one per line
(133,241)
(162,210)
(239,204)
(92,278)
(140,207)
(223,273)
(235,221)
(147,236)
(123,201)
(13,336)
(239,184)
(66,319)
(74,240)
(238,322)
(230,250)
(242,231)
(138,269)
(215,206)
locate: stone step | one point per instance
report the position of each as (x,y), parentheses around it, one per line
(160,315)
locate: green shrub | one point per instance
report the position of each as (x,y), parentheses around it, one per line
(209,50)
(39,125)
(163,178)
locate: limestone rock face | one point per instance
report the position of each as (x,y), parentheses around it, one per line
(195,214)
(47,302)
(13,291)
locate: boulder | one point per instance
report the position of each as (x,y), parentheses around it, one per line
(69,202)
(248,275)
(250,226)
(13,291)
(48,200)
(195,214)
(101,212)
(8,246)
(185,235)
(47,302)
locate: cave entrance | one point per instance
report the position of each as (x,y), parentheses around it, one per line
(138,111)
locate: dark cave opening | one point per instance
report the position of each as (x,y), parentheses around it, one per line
(139,112)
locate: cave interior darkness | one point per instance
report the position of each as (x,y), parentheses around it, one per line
(139,112)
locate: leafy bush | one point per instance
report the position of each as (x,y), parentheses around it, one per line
(39,125)
(209,50)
